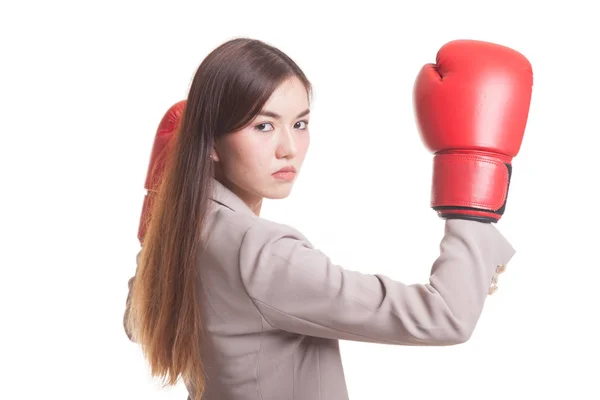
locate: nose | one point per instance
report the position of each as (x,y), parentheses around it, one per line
(287,144)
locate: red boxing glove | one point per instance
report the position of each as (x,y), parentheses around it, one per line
(166,130)
(471,109)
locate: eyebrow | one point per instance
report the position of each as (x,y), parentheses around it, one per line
(271,114)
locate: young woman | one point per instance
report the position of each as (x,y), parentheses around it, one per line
(245,308)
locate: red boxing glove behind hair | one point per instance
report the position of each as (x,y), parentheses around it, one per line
(166,129)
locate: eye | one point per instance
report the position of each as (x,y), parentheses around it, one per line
(263,127)
(302,125)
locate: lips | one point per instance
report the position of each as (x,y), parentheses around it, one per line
(287,174)
(286,169)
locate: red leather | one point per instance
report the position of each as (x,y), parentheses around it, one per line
(166,129)
(471,108)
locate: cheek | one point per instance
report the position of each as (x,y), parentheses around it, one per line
(247,153)
(303,143)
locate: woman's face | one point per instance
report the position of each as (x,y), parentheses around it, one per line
(248,161)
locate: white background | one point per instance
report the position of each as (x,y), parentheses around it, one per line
(83,86)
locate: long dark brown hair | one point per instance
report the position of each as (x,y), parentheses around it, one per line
(229,89)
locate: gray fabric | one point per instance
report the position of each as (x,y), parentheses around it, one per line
(274,307)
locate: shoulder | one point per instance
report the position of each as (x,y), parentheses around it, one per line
(271,253)
(250,233)
(264,233)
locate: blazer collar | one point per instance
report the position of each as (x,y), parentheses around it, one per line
(227,198)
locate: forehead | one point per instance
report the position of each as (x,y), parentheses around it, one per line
(290,97)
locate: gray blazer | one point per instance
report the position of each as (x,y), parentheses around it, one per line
(274,307)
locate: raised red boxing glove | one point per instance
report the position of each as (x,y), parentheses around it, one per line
(471,109)
(164,133)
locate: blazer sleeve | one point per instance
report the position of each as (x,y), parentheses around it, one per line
(298,289)
(126,327)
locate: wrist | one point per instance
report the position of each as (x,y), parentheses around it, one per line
(470,185)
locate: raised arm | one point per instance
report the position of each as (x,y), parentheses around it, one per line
(299,289)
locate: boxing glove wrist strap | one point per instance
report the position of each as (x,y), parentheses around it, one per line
(470,185)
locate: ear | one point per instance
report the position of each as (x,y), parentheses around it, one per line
(214,155)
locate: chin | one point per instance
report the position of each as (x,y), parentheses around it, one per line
(277,193)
